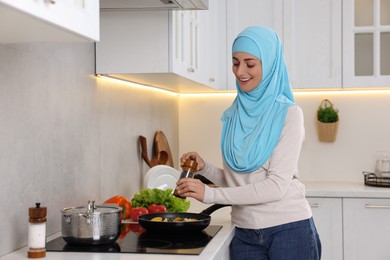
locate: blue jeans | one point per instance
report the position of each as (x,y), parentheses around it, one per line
(293,241)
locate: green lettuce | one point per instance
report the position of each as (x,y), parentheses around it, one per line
(146,197)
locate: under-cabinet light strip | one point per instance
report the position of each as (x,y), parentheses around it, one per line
(340,91)
(136,85)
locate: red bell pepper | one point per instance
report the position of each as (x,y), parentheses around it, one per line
(122,202)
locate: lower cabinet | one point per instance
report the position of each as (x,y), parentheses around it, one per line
(366,229)
(327,215)
(352,228)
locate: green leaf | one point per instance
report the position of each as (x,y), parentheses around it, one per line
(327,114)
(146,197)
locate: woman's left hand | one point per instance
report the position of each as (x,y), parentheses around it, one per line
(188,187)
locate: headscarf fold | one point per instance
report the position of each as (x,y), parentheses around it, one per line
(253,123)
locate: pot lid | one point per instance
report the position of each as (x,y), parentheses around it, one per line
(91,208)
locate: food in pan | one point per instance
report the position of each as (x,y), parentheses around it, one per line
(161,219)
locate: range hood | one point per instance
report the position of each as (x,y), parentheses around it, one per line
(112,5)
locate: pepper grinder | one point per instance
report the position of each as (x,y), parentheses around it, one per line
(188,171)
(37,232)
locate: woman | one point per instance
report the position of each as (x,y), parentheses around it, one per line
(262,136)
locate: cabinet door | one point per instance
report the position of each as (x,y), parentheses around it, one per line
(366,43)
(189,44)
(184,43)
(312,43)
(244,13)
(40,21)
(327,215)
(366,229)
(133,42)
(216,54)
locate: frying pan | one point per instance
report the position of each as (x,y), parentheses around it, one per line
(202,221)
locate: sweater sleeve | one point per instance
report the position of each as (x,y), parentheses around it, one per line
(266,185)
(214,174)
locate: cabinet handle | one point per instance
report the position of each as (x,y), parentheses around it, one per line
(314,205)
(370,206)
(212,79)
(190,69)
(50,1)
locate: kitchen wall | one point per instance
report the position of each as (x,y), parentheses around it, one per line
(67,137)
(364,128)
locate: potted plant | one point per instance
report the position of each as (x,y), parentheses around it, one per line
(327,121)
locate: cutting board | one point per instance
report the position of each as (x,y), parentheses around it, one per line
(162,149)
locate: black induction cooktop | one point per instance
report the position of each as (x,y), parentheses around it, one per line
(134,239)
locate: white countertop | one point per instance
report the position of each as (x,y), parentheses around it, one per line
(214,250)
(345,190)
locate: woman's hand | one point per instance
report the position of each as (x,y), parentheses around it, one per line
(188,187)
(194,156)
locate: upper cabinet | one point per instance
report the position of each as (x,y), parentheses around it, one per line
(165,49)
(366,42)
(216,45)
(49,21)
(327,43)
(244,13)
(309,29)
(312,43)
(189,46)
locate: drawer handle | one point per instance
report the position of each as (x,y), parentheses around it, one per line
(314,205)
(370,206)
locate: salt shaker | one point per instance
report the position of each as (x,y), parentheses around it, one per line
(37,231)
(188,171)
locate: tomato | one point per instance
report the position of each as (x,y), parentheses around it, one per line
(154,208)
(135,212)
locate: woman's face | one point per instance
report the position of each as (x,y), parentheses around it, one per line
(248,70)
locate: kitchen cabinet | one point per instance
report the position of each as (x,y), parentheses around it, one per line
(244,13)
(352,228)
(217,45)
(191,44)
(310,32)
(366,43)
(186,33)
(327,215)
(366,228)
(49,21)
(312,42)
(164,49)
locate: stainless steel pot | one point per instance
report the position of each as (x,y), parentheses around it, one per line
(91,224)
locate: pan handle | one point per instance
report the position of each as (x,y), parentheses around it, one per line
(213,208)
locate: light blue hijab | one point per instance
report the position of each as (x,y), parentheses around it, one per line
(253,123)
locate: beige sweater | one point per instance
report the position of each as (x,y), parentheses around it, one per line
(271,195)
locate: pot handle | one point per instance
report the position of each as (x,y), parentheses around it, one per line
(213,208)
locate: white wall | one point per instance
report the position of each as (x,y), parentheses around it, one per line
(66,137)
(364,128)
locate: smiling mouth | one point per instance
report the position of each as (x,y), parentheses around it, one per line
(245,79)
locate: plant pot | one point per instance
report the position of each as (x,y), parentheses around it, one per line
(327,132)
